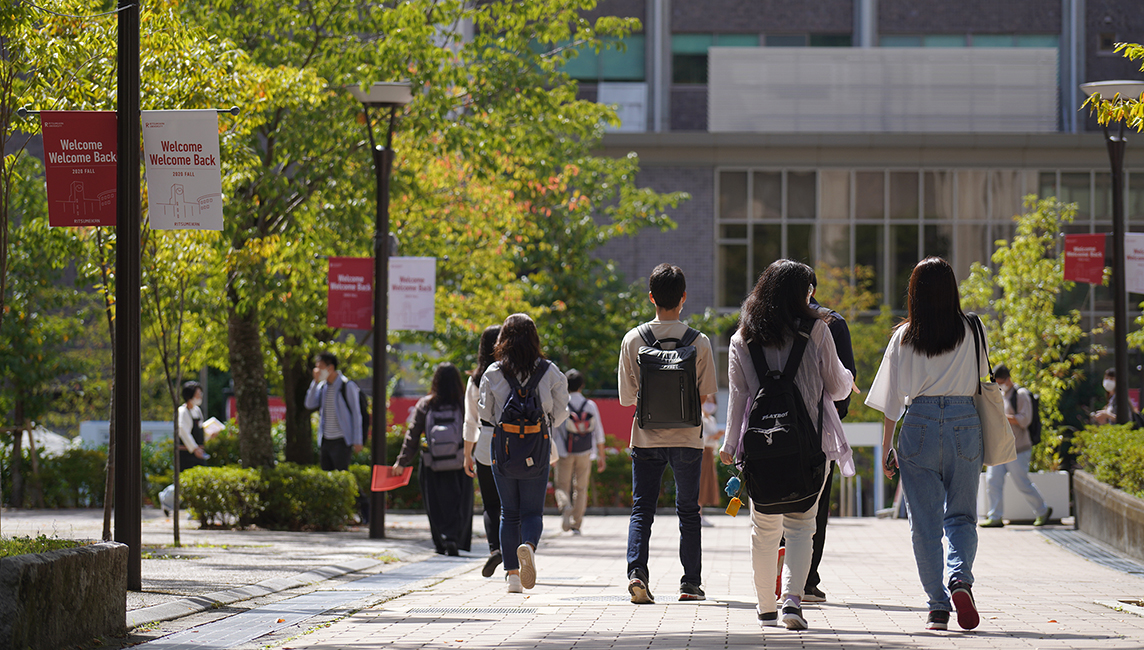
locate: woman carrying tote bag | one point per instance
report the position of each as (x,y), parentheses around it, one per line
(930,372)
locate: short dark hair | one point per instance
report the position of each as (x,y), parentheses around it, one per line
(1001,371)
(575,380)
(328,358)
(189,390)
(667,286)
(1111,372)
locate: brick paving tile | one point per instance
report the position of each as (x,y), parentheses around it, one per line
(1031,593)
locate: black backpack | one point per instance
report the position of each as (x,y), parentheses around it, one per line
(1034,427)
(363,404)
(521,439)
(669,388)
(444,440)
(578,428)
(783,465)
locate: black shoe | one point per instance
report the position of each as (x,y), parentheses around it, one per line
(792,618)
(641,595)
(937,620)
(451,549)
(689,591)
(491,564)
(769,619)
(962,595)
(813,595)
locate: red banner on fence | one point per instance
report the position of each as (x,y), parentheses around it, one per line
(79,165)
(350,293)
(1084,258)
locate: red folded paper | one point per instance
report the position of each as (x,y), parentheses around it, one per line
(383,482)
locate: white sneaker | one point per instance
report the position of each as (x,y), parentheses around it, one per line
(527,566)
(514,586)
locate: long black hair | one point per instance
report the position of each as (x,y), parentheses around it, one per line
(518,346)
(447,389)
(485,352)
(778,299)
(935,323)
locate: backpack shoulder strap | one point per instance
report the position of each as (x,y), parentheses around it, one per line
(537,374)
(758,360)
(346,398)
(688,337)
(802,335)
(647,335)
(578,411)
(513,382)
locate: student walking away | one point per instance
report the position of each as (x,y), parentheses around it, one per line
(446,489)
(665,367)
(930,371)
(709,492)
(478,449)
(1021,409)
(191,438)
(840,332)
(523,396)
(578,442)
(339,413)
(783,367)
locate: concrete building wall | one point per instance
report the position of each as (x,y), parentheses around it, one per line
(969,16)
(1124,19)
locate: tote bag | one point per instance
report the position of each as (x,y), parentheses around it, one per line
(1000,446)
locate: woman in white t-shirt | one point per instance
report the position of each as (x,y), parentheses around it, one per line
(478,449)
(930,372)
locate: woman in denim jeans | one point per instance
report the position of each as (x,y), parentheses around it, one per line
(929,373)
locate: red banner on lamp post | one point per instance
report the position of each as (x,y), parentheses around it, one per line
(79,166)
(1084,258)
(350,293)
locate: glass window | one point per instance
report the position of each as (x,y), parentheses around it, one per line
(938,241)
(1134,205)
(584,66)
(689,57)
(733,231)
(972,195)
(1075,188)
(830,40)
(992,40)
(768,195)
(869,251)
(625,65)
(786,40)
(939,195)
(835,243)
(801,193)
(768,246)
(870,195)
(900,41)
(800,243)
(835,194)
(904,202)
(1037,40)
(943,40)
(733,196)
(1008,189)
(973,245)
(691,43)
(1047,184)
(903,258)
(737,40)
(1102,197)
(732,274)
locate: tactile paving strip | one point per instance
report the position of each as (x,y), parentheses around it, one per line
(1086,547)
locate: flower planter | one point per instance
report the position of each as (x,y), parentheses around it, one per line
(60,598)
(1110,515)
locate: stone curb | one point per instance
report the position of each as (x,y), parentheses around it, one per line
(196,604)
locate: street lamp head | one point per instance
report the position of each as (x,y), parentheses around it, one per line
(1127,89)
(391,93)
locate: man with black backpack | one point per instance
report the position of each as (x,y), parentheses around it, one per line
(1021,407)
(664,369)
(339,413)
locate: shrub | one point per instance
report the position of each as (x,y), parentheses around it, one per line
(1113,454)
(307,498)
(74,479)
(10,546)
(224,496)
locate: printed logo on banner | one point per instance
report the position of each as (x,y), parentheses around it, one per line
(412,293)
(1084,258)
(184,177)
(79,167)
(349,303)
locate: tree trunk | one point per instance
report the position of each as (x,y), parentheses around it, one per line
(248,370)
(296,378)
(18,458)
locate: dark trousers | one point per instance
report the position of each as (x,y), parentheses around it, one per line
(522,513)
(648,465)
(448,499)
(335,454)
(492,505)
(812,578)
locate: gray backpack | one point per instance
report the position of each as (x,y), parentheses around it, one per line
(444,449)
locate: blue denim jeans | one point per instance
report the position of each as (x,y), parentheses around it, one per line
(939,453)
(522,513)
(648,465)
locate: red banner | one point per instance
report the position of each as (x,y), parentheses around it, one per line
(1084,258)
(350,293)
(79,163)
(277,408)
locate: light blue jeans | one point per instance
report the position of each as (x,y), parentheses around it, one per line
(939,454)
(1019,470)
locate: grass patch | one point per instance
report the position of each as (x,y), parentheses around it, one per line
(385,557)
(10,546)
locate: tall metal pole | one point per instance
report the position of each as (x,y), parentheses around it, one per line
(128,415)
(1116,144)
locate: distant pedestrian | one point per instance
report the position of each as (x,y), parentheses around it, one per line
(579,441)
(930,371)
(777,326)
(1019,408)
(520,367)
(478,449)
(709,491)
(446,489)
(1107,415)
(191,438)
(674,433)
(339,413)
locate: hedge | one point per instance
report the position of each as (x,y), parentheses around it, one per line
(222,496)
(1113,454)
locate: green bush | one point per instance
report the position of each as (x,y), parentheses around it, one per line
(73,479)
(1113,454)
(297,497)
(222,496)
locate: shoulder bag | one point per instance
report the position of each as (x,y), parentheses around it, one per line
(999,445)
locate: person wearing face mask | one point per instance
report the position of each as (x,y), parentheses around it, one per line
(191,452)
(339,413)
(709,494)
(1019,409)
(1107,415)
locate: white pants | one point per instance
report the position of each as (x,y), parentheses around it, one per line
(766,532)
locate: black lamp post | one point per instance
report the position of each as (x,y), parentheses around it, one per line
(380,96)
(1116,143)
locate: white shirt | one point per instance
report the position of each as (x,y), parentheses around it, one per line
(474,431)
(906,374)
(185,423)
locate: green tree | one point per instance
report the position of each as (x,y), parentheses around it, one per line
(1129,110)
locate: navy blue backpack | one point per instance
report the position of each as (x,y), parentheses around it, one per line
(521,438)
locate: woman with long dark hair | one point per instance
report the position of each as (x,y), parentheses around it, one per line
(518,356)
(446,489)
(930,372)
(773,316)
(478,449)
